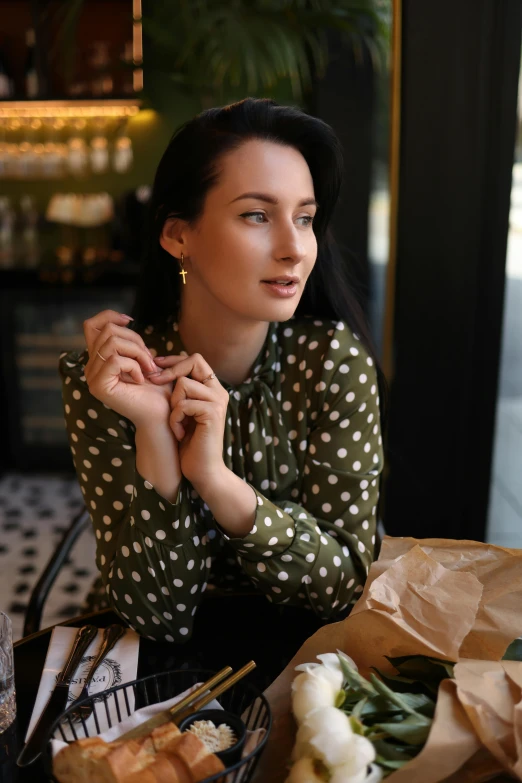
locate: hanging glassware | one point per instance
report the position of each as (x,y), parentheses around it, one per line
(99,154)
(77,156)
(122,156)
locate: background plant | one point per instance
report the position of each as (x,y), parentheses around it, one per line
(222,48)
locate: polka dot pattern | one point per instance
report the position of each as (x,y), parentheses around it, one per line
(303,431)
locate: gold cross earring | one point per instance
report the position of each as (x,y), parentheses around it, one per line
(183,270)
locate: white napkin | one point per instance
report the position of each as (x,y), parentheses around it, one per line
(120,666)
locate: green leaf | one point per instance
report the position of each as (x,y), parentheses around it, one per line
(422,667)
(354,680)
(400,684)
(359,707)
(388,764)
(387,749)
(514,651)
(420,703)
(378,709)
(413,731)
(395,698)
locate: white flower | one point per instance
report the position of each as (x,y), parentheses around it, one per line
(327,734)
(314,689)
(305,771)
(326,746)
(328,660)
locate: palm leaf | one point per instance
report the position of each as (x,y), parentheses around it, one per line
(221,44)
(259,42)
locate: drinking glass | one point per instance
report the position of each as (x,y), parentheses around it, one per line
(7,689)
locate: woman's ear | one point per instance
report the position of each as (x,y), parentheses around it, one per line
(172,237)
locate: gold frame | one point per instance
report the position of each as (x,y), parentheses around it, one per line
(395,137)
(137,45)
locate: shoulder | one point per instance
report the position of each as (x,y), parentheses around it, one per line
(320,340)
(329,362)
(75,390)
(72,365)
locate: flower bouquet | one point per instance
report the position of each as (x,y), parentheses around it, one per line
(415,686)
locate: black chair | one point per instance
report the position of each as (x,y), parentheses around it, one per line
(33,616)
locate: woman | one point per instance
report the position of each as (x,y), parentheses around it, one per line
(232,436)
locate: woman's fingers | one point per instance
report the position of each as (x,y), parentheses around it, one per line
(201,410)
(92,326)
(187,388)
(113,330)
(118,331)
(169,361)
(194,365)
(123,347)
(165,370)
(187,391)
(178,422)
(108,375)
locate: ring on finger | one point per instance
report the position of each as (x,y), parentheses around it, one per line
(101,357)
(210,377)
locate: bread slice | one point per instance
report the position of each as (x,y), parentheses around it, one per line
(165,737)
(195,754)
(126,758)
(164,756)
(166,768)
(205,767)
(77,762)
(190,749)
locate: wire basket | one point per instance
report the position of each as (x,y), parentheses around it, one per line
(115,704)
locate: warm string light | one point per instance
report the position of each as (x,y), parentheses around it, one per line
(62,109)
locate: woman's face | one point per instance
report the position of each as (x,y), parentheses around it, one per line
(256,226)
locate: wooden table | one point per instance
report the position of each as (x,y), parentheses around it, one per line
(229,629)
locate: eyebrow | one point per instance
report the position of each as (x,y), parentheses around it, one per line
(272,200)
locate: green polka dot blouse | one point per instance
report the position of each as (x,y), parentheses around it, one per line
(303,431)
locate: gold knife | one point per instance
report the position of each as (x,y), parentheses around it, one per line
(194,706)
(167,715)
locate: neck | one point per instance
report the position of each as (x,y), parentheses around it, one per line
(228,342)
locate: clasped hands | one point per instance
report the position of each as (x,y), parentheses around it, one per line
(197,413)
(123,374)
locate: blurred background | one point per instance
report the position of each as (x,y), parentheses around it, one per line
(427,100)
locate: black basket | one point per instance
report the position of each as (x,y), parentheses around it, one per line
(243,699)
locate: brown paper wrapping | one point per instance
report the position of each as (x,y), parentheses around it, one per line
(456,600)
(499,570)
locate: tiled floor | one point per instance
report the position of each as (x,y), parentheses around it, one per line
(34,512)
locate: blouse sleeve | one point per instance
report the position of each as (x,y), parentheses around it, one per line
(317,552)
(152,562)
